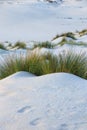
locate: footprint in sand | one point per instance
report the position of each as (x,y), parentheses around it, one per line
(35,121)
(63,127)
(25,109)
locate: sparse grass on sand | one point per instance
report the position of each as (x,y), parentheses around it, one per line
(83,32)
(20,45)
(2,46)
(46,44)
(71,34)
(68,34)
(71,42)
(37,64)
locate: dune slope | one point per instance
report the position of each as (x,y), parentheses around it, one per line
(50,102)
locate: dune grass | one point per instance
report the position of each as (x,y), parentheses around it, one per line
(14,63)
(45,44)
(83,32)
(69,63)
(67,34)
(20,45)
(2,46)
(37,64)
(71,42)
(71,34)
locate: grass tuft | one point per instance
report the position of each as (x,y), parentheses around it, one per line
(71,42)
(68,34)
(20,45)
(2,46)
(69,62)
(14,63)
(83,32)
(37,64)
(43,44)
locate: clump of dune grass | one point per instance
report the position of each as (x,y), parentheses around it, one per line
(83,32)
(2,46)
(67,34)
(34,63)
(22,62)
(20,45)
(69,62)
(74,63)
(9,45)
(71,34)
(46,44)
(50,63)
(64,41)
(71,42)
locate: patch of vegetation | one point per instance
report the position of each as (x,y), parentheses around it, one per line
(2,46)
(76,43)
(43,44)
(57,36)
(71,34)
(20,45)
(83,32)
(64,41)
(71,42)
(9,45)
(69,62)
(68,34)
(14,63)
(37,64)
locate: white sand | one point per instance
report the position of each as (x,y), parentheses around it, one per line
(39,20)
(51,102)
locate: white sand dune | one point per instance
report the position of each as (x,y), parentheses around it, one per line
(50,102)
